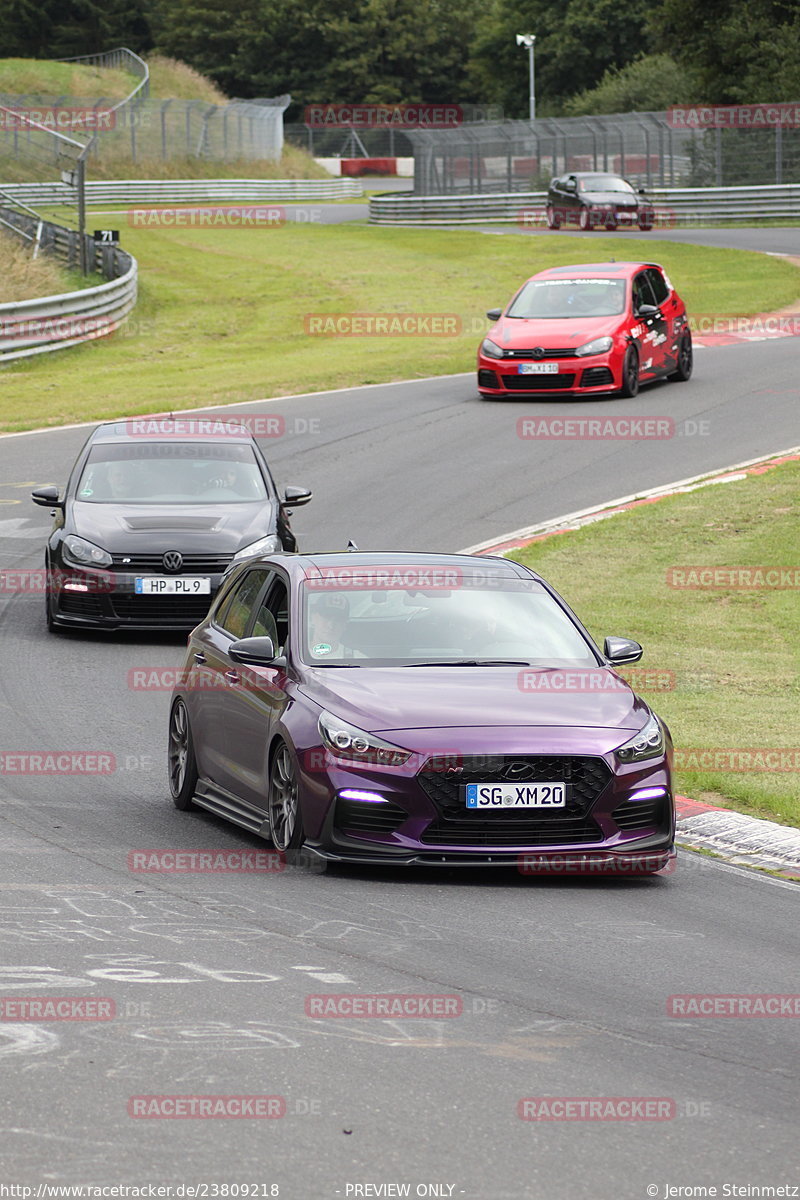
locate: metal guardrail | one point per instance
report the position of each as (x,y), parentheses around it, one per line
(673,206)
(143,191)
(29,327)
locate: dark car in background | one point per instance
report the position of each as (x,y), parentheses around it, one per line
(151,519)
(418,709)
(594,200)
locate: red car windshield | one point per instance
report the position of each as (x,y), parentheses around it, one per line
(560,298)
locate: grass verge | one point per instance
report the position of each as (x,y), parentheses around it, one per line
(734,653)
(221,316)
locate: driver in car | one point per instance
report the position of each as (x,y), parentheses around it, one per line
(327,619)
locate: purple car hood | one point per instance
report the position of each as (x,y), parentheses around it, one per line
(391,699)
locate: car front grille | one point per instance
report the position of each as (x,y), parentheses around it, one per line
(640,814)
(173,610)
(488,379)
(568,352)
(537,383)
(193,564)
(354,816)
(457,825)
(80,604)
(596,377)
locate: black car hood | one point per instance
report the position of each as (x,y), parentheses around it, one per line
(189,528)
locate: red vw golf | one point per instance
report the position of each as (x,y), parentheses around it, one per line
(592,328)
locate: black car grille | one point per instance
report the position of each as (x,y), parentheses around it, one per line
(640,814)
(488,379)
(183,610)
(80,604)
(353,816)
(596,377)
(544,352)
(193,564)
(457,825)
(537,383)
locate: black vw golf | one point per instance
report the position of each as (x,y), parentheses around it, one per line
(153,514)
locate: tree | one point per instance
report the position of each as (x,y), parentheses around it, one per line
(650,84)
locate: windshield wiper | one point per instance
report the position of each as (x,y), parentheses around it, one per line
(473,662)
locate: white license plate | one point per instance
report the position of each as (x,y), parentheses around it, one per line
(537,368)
(516,795)
(173,585)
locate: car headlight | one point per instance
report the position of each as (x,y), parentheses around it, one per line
(85,554)
(647,743)
(491,349)
(265,545)
(597,346)
(346,741)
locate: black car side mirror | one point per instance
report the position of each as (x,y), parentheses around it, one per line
(297,496)
(47,497)
(642,192)
(622,650)
(257,651)
(494,314)
(647,310)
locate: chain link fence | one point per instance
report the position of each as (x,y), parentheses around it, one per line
(654,149)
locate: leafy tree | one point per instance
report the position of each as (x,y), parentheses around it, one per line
(650,84)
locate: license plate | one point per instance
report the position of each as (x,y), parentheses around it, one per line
(516,795)
(173,585)
(550,368)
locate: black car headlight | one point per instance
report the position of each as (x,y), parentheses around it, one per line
(647,743)
(490,349)
(264,545)
(596,346)
(84,554)
(346,741)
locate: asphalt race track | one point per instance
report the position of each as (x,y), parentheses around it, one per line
(564,982)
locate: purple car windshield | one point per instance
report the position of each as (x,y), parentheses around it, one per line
(514,621)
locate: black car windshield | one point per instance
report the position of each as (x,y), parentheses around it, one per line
(605,183)
(560,298)
(468,622)
(171,473)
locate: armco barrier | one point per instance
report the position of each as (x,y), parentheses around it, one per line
(684,205)
(174,191)
(29,327)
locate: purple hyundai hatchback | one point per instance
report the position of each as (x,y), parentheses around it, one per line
(419,709)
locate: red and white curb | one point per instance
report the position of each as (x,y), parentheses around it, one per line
(738,838)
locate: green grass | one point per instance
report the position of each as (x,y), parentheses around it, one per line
(169,78)
(220,318)
(735,654)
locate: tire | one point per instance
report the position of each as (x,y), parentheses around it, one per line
(630,373)
(181,762)
(646,222)
(685,361)
(585,219)
(611,225)
(283,803)
(552,217)
(52,626)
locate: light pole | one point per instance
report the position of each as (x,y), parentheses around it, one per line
(529,39)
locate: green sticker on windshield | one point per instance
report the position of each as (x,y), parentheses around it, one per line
(321,648)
